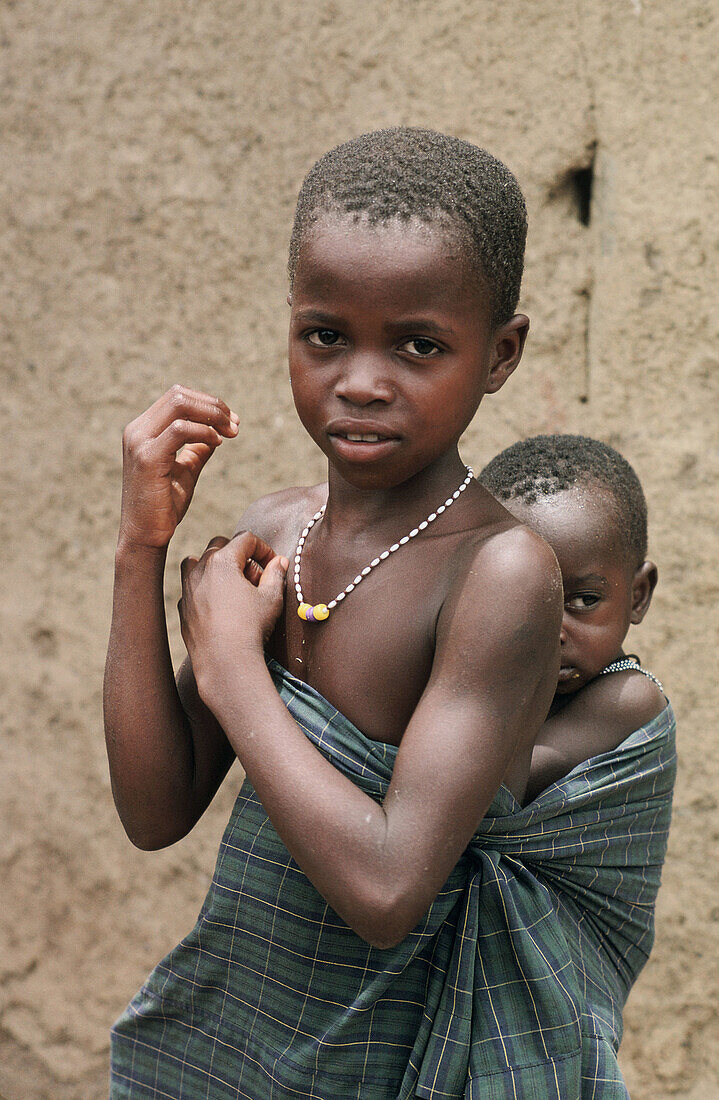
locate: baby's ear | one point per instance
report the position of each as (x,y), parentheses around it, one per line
(643,585)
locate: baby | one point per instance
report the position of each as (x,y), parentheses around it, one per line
(587,503)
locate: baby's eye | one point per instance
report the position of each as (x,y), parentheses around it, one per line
(421,347)
(323,338)
(582,600)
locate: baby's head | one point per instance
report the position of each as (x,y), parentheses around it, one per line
(586,501)
(413,175)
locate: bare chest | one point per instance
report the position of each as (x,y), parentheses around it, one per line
(372,658)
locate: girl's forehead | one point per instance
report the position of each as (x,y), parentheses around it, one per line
(360,231)
(346,234)
(400,263)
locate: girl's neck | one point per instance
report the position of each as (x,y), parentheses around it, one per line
(351,510)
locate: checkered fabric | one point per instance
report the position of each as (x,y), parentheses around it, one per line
(512,985)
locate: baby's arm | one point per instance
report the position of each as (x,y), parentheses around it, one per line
(495,667)
(166,759)
(595,720)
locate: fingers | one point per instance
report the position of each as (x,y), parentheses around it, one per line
(273,575)
(186,567)
(271,587)
(216,543)
(249,545)
(256,559)
(181,405)
(216,598)
(253,572)
(251,554)
(188,466)
(181,432)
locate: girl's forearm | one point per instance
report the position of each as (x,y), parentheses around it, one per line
(337,834)
(149,744)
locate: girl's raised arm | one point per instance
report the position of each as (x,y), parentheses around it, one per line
(166,759)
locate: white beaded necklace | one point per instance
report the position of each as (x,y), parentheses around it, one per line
(320,611)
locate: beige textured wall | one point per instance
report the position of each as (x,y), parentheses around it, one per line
(151,153)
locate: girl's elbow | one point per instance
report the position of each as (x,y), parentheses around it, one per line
(385,921)
(385,938)
(152,836)
(379,934)
(147,840)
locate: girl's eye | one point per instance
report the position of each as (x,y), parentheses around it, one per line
(582,601)
(421,347)
(323,338)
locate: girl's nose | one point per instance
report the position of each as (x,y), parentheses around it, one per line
(363,381)
(562,634)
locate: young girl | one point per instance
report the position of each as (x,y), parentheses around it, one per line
(364,935)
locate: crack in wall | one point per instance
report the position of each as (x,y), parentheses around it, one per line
(593,205)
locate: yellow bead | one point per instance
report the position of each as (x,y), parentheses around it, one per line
(321,611)
(303,609)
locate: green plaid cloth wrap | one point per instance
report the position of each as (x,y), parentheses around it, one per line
(512,985)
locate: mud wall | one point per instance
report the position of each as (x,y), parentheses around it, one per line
(151,155)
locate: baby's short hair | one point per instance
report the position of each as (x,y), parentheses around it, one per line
(546,464)
(406,172)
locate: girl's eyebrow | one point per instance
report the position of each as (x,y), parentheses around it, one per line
(421,324)
(317,316)
(425,324)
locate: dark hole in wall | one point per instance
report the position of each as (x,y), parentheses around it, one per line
(582,183)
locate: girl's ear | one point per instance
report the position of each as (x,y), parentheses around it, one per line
(509,340)
(643,585)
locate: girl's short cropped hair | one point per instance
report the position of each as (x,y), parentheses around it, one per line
(547,464)
(407,172)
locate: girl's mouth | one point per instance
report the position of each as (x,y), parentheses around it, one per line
(362,446)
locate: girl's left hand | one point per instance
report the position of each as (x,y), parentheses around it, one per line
(231,599)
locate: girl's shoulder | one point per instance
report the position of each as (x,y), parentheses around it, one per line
(279,517)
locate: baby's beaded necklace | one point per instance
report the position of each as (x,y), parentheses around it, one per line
(320,611)
(630,663)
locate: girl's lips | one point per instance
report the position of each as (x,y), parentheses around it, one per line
(362,450)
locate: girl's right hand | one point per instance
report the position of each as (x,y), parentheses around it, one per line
(164,451)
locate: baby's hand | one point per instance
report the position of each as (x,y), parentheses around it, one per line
(231,599)
(164,451)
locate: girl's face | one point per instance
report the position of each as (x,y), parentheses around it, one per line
(603,593)
(391,346)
